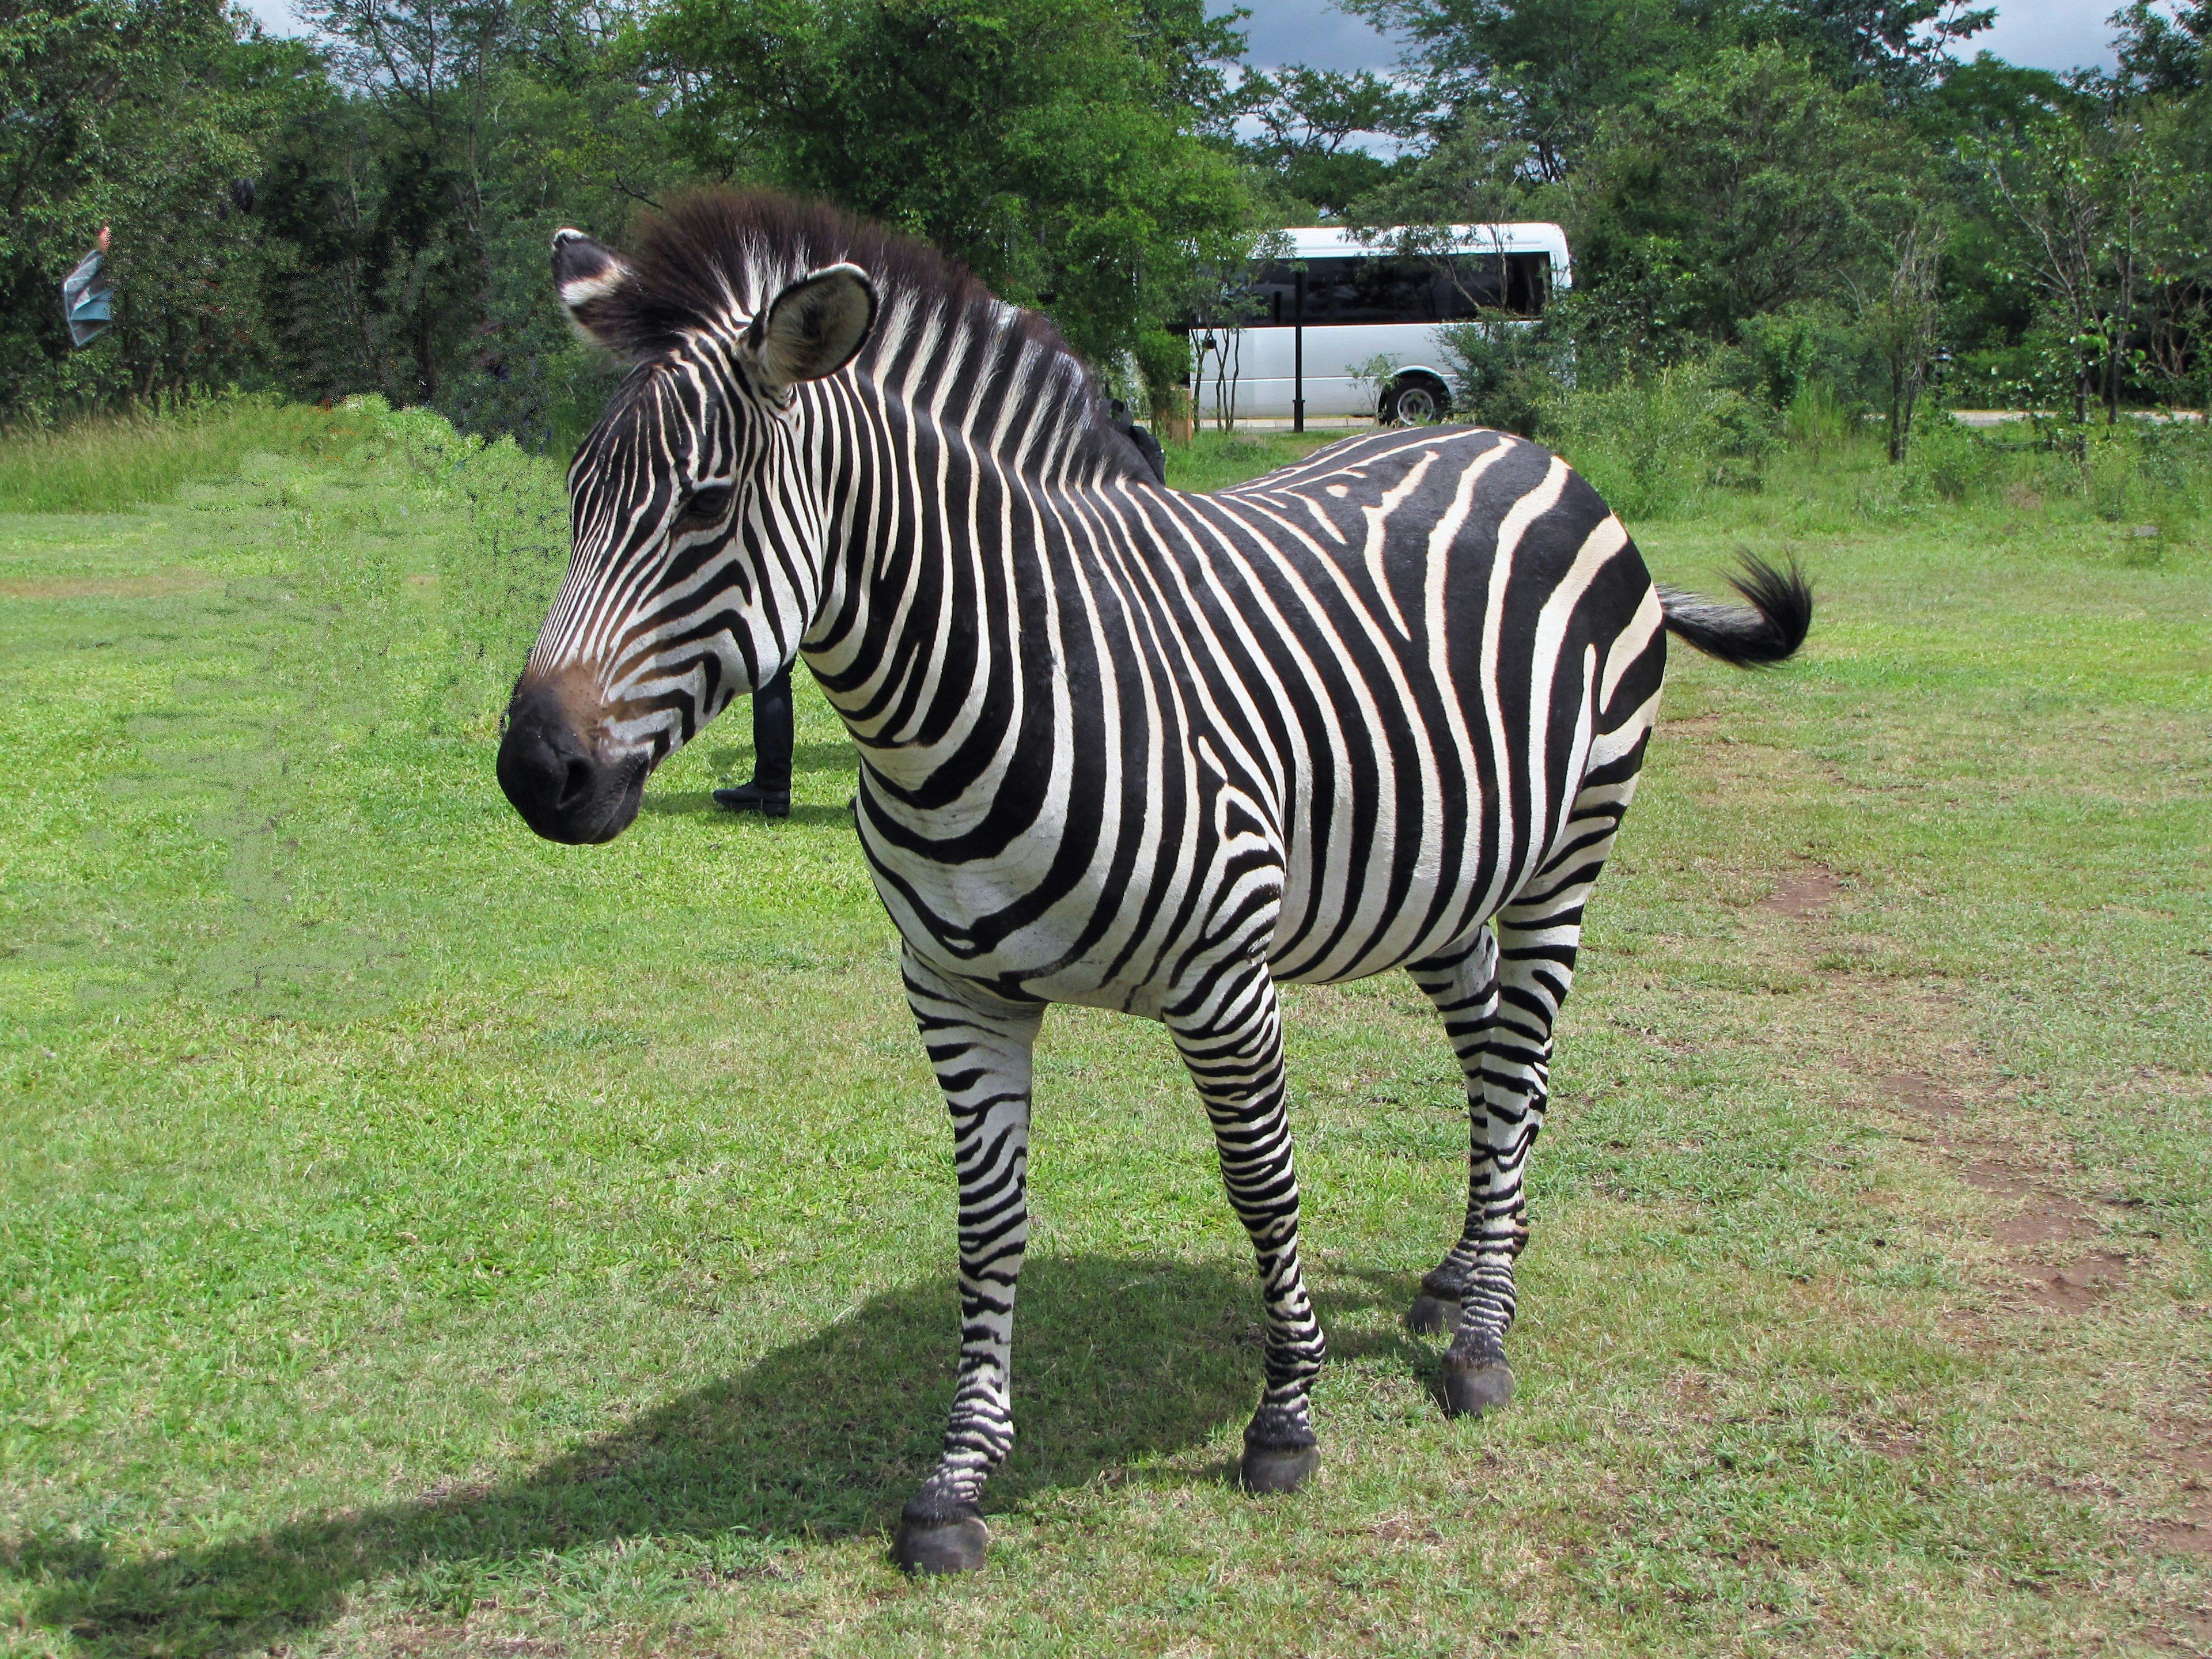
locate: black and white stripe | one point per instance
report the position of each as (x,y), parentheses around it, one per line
(1119,745)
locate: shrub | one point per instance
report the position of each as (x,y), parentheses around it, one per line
(1507,375)
(1651,444)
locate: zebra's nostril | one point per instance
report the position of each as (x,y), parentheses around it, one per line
(576,781)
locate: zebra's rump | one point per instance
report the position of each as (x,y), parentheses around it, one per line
(1336,716)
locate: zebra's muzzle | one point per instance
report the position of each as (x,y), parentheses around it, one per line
(555,779)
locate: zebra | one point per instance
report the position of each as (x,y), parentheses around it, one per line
(1119,745)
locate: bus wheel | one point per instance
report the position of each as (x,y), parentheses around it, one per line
(1417,400)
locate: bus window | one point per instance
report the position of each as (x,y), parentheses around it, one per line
(1527,282)
(1393,290)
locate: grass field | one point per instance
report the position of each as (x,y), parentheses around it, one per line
(415,1237)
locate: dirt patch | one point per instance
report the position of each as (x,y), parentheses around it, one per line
(1695,1391)
(2046,1220)
(1996,1178)
(1397,1529)
(2181,1538)
(2187,1632)
(1807,894)
(1920,1093)
(2195,1457)
(1890,1442)
(2078,1287)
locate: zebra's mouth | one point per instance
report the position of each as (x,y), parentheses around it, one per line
(557,779)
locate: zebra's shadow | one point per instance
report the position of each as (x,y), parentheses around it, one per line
(1116,1359)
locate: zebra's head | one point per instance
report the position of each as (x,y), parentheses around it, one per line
(697,557)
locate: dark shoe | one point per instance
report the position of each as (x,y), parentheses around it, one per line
(751,798)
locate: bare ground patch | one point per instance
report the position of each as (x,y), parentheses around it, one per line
(1808,893)
(160,584)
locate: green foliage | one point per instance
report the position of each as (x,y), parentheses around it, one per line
(1653,444)
(1747,186)
(1508,375)
(1162,363)
(1814,183)
(106,463)
(2163,50)
(1308,119)
(1050,145)
(412,197)
(137,114)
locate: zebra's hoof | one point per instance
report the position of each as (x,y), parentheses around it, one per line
(1431,1316)
(1472,1387)
(1277,1468)
(957,1545)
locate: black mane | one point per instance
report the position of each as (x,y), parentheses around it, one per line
(715,257)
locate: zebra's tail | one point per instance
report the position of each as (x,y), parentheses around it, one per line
(1768,629)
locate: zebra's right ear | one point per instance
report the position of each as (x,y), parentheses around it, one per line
(589,277)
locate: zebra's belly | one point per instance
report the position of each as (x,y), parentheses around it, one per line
(1113,938)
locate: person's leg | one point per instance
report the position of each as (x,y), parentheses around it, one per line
(770,792)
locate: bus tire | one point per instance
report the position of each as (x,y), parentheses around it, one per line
(1415,400)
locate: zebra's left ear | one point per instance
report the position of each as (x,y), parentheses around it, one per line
(814,327)
(589,275)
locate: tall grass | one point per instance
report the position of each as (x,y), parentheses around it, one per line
(106,462)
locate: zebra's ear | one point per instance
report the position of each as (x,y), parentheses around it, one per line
(589,277)
(814,327)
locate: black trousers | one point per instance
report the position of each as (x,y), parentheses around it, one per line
(772,734)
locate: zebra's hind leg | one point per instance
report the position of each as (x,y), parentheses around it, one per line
(979,1047)
(1499,996)
(1230,1033)
(1470,1292)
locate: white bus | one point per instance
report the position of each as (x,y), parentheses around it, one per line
(1320,321)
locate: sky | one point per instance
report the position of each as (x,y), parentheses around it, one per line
(2052,34)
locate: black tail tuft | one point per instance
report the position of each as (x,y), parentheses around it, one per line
(1767,630)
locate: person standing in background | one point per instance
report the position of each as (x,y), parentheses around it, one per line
(768,793)
(87,297)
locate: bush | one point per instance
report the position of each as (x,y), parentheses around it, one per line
(1652,444)
(1511,376)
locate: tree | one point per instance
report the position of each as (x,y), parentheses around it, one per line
(1544,71)
(138,113)
(1058,146)
(1901,318)
(2160,55)
(410,196)
(1902,47)
(1308,119)
(1746,186)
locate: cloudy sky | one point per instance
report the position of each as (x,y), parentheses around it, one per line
(2053,34)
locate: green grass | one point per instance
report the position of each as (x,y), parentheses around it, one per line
(417,1238)
(1214,459)
(105,465)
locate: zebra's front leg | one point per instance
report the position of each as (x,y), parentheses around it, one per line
(1230,1035)
(980,1048)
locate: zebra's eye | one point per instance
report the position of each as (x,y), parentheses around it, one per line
(707,506)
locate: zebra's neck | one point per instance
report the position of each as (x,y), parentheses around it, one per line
(946,470)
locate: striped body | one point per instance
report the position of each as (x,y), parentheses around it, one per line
(1119,745)
(1336,718)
